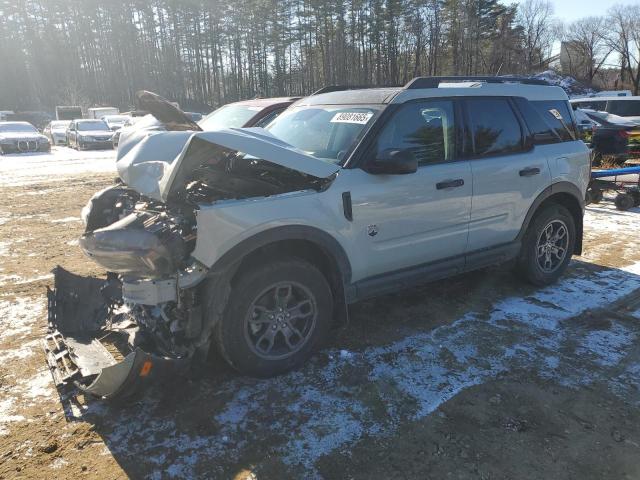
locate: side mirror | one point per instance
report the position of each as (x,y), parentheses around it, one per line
(393,161)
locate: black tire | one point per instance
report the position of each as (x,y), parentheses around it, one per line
(529,265)
(624,201)
(238,339)
(596,196)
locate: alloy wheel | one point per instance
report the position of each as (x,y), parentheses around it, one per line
(552,246)
(280,321)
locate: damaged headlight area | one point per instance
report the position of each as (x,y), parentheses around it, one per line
(110,337)
(150,317)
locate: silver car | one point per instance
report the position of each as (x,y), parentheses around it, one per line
(56,131)
(256,241)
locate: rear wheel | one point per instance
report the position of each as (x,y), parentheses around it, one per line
(624,201)
(547,246)
(277,315)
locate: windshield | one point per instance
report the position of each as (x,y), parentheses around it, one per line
(92,125)
(624,108)
(17,127)
(60,124)
(327,132)
(229,116)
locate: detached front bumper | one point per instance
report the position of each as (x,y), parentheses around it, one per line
(90,348)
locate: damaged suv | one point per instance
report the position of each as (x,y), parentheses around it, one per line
(256,240)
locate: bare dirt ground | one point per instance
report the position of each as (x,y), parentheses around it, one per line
(478,376)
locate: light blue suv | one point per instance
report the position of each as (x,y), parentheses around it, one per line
(258,239)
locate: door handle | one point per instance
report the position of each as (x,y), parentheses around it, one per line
(458,182)
(529,171)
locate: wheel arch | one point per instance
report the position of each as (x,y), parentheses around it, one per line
(309,243)
(561,193)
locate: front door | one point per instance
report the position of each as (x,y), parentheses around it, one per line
(408,220)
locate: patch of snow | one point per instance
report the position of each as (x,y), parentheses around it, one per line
(24,351)
(608,347)
(18,316)
(58,463)
(569,84)
(18,280)
(67,220)
(6,407)
(39,385)
(32,168)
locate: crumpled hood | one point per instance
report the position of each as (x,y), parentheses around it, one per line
(132,135)
(157,163)
(22,136)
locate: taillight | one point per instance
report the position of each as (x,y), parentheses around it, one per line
(623,133)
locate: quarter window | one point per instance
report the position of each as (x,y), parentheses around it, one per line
(427,129)
(494,126)
(558,116)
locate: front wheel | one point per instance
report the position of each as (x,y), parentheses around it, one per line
(547,246)
(277,315)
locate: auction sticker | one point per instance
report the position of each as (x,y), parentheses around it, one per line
(556,113)
(352,117)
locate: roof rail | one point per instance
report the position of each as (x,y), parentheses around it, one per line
(339,88)
(342,88)
(434,82)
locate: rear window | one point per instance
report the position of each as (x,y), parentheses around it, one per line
(558,116)
(229,116)
(495,127)
(624,108)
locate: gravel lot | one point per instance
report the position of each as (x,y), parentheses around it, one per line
(478,376)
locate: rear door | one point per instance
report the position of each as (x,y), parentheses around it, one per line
(407,220)
(508,171)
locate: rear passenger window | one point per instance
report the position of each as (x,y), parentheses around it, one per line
(558,116)
(494,126)
(426,128)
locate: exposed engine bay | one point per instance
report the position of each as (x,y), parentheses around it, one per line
(152,301)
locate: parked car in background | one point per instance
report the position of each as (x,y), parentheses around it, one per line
(247,113)
(130,121)
(165,116)
(614,136)
(56,131)
(22,137)
(115,122)
(624,106)
(89,134)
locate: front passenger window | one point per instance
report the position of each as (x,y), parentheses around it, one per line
(427,129)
